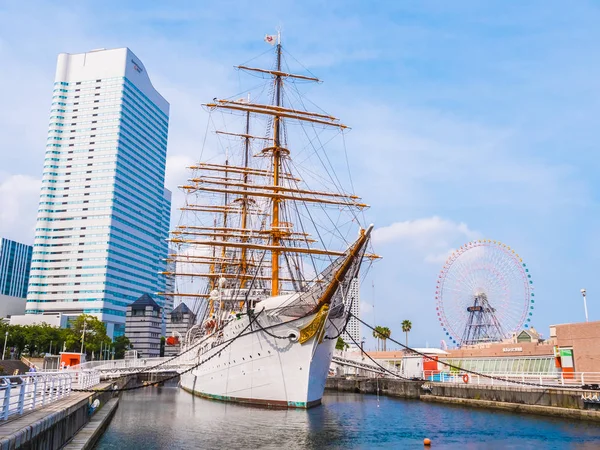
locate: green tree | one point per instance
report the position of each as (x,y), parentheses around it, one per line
(17,339)
(340,344)
(406,327)
(95,335)
(121,344)
(33,340)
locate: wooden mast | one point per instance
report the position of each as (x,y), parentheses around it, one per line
(244,224)
(275,227)
(247,192)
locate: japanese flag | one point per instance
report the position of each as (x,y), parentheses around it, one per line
(271,39)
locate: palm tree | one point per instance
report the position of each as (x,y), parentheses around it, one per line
(385,334)
(378,334)
(406,327)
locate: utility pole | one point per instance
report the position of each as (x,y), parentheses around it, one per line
(362,352)
(5,339)
(83,335)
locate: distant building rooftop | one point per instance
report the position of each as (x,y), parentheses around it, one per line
(182,309)
(144,301)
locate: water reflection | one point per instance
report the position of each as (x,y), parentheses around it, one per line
(167,418)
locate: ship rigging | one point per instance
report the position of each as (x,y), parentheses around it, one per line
(251,226)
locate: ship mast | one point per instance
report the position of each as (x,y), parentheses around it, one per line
(276,149)
(244,224)
(251,191)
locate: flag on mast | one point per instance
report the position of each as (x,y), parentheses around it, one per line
(271,39)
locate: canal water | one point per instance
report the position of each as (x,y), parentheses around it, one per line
(169,418)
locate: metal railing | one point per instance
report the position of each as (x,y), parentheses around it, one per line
(559,379)
(124,366)
(85,379)
(119,364)
(359,364)
(22,393)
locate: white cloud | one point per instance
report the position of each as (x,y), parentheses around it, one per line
(19,197)
(433,238)
(177,171)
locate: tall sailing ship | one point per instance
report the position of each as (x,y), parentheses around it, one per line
(250,251)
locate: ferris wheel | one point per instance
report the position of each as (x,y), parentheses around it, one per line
(484,293)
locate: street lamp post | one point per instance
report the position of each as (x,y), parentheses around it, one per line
(362,343)
(583,292)
(83,336)
(5,339)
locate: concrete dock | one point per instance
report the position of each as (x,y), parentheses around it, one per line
(87,437)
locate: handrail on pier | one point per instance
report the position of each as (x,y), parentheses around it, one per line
(21,393)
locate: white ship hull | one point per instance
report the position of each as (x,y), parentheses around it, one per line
(260,369)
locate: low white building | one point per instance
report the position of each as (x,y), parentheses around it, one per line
(10,305)
(53,319)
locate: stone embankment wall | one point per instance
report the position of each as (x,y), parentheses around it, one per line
(393,388)
(555,402)
(561,398)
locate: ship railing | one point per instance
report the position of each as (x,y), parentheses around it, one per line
(23,393)
(576,380)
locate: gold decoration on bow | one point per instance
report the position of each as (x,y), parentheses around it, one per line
(316,326)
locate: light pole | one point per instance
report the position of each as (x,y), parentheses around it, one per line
(5,339)
(362,343)
(83,335)
(584,304)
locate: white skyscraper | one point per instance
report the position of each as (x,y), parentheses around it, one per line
(353,327)
(104,212)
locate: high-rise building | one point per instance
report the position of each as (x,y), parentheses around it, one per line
(353,326)
(15,261)
(104,212)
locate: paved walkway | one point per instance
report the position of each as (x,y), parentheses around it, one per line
(19,430)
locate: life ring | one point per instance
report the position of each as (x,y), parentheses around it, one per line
(465,378)
(209,324)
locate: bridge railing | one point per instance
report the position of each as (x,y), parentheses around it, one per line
(85,379)
(368,368)
(22,393)
(117,364)
(566,379)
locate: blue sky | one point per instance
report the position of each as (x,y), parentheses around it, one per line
(470,119)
